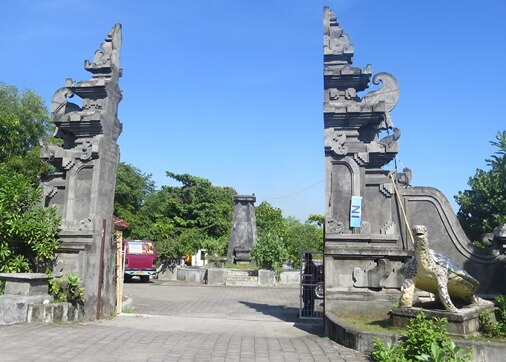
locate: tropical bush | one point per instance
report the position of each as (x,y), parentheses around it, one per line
(28,231)
(269,251)
(424,340)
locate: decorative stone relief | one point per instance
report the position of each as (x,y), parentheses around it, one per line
(365,228)
(386,189)
(334,227)
(388,228)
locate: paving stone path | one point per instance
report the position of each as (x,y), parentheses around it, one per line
(177,321)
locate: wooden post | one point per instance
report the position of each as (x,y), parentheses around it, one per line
(101,271)
(119,271)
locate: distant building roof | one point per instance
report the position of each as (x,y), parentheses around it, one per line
(120,224)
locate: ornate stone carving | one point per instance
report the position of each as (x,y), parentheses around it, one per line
(375,277)
(85,224)
(386,189)
(337,145)
(336,42)
(388,228)
(387,96)
(334,227)
(365,228)
(108,56)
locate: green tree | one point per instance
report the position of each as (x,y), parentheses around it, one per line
(183,219)
(269,251)
(316,219)
(483,207)
(23,121)
(28,231)
(270,220)
(302,237)
(132,188)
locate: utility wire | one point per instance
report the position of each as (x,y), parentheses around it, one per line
(295,193)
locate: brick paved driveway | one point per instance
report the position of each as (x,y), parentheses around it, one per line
(176,321)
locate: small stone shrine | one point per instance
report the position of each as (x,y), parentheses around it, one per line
(82,186)
(369,209)
(244,230)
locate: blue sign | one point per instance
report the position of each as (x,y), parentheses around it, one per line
(356,212)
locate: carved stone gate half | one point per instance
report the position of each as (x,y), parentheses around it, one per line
(368,209)
(82,187)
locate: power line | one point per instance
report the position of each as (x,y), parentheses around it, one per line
(295,193)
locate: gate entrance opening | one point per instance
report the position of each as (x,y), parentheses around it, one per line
(312,285)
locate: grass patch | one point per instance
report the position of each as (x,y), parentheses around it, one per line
(230,265)
(370,323)
(384,324)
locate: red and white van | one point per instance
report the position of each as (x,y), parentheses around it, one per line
(140,259)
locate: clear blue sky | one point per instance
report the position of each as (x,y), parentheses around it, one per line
(232,90)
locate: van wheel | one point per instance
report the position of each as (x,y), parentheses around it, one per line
(144,278)
(127,277)
(319,290)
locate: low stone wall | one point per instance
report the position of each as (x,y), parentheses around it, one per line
(53,313)
(288,277)
(26,300)
(218,276)
(362,341)
(191,274)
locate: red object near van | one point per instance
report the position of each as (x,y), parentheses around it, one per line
(139,259)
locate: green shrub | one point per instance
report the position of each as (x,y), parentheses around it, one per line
(28,231)
(387,352)
(422,332)
(491,328)
(424,340)
(269,251)
(70,291)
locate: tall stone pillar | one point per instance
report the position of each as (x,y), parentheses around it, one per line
(83,184)
(244,229)
(363,248)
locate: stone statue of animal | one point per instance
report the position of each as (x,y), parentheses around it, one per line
(430,271)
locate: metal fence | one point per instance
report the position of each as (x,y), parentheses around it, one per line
(312,285)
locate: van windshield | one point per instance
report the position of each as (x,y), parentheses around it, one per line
(140,247)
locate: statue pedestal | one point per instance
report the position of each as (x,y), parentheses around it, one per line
(464,323)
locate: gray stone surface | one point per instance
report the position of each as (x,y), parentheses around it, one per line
(82,187)
(25,284)
(22,290)
(216,276)
(464,323)
(266,277)
(177,321)
(362,263)
(244,229)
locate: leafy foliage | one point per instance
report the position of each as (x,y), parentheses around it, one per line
(488,326)
(194,215)
(180,219)
(132,187)
(296,236)
(68,291)
(269,220)
(269,251)
(28,232)
(422,332)
(23,121)
(387,352)
(301,237)
(424,340)
(483,207)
